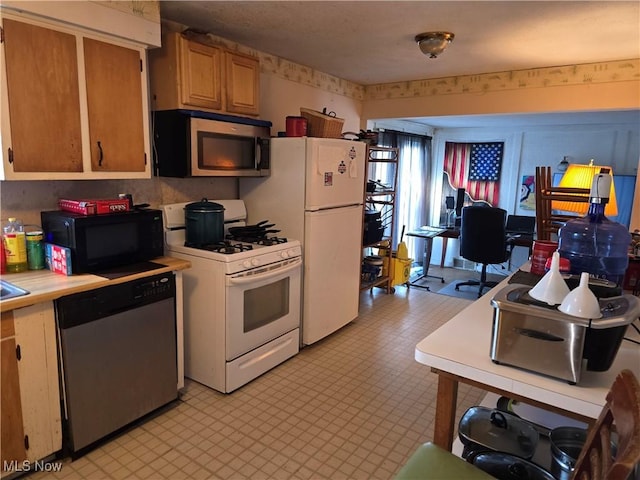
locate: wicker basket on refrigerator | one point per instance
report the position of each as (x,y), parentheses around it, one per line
(321,124)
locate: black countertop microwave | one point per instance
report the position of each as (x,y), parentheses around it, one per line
(100,242)
(189,143)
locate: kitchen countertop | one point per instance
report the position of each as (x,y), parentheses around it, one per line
(45,285)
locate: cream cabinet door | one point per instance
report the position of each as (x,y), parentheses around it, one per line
(12,447)
(38,370)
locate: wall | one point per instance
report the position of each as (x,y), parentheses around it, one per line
(601,86)
(25,199)
(283,97)
(613,145)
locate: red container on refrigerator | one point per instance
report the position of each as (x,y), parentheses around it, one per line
(296,127)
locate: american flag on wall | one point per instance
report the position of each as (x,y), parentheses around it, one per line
(476,168)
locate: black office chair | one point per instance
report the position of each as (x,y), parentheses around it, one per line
(483,239)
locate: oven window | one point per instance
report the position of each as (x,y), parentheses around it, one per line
(225,152)
(111,240)
(266,304)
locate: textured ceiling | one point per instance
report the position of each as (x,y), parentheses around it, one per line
(371,42)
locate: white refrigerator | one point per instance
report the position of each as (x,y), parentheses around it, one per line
(315,195)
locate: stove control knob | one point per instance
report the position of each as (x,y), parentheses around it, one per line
(246,264)
(255,262)
(284,254)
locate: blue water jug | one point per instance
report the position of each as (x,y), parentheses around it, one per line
(596,245)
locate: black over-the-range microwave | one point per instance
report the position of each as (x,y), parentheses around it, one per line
(100,242)
(190,143)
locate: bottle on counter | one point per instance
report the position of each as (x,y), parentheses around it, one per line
(593,243)
(15,246)
(3,258)
(35,247)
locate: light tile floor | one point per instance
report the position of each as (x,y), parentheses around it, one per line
(352,406)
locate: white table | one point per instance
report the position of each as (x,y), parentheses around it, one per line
(459,352)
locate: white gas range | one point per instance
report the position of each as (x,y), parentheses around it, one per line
(241,301)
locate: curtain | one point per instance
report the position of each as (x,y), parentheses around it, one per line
(412,200)
(476,168)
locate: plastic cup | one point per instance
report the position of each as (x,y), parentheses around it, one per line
(541,251)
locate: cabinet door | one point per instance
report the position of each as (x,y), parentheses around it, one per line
(35,328)
(242,81)
(44,108)
(200,75)
(12,446)
(114,105)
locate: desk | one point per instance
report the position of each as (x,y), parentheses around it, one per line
(459,352)
(446,234)
(514,240)
(428,234)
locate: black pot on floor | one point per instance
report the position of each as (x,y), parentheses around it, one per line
(505,466)
(485,429)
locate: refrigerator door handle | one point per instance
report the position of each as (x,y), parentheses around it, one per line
(353,169)
(334,207)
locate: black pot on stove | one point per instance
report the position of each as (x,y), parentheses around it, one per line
(204,223)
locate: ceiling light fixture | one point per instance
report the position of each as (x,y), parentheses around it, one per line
(434,43)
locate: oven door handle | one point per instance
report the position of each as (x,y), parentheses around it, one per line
(264,276)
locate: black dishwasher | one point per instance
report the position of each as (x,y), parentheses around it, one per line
(118,349)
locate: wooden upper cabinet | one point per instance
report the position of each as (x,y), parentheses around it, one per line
(243,73)
(44,106)
(114,105)
(200,71)
(50,128)
(188,74)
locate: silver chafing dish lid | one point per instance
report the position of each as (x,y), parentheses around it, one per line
(616,311)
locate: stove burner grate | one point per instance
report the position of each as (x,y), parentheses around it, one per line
(258,240)
(225,247)
(271,241)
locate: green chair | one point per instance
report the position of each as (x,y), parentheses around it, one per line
(430,461)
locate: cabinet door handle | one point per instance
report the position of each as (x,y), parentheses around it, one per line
(101,156)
